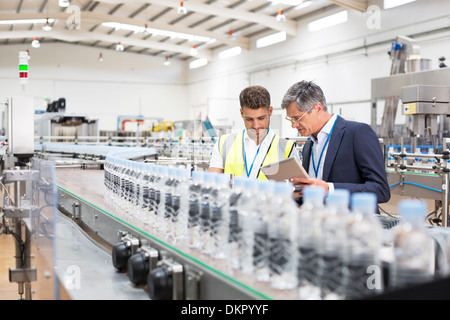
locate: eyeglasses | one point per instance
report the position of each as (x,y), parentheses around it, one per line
(296,121)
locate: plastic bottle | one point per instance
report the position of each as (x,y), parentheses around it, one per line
(365,236)
(220,216)
(391,159)
(431,161)
(260,223)
(246,216)
(205,212)
(234,226)
(333,246)
(181,205)
(417,160)
(414,260)
(308,235)
(282,234)
(195,192)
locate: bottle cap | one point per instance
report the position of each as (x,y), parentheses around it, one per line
(313,193)
(340,197)
(412,209)
(364,201)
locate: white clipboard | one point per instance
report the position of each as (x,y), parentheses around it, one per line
(284,170)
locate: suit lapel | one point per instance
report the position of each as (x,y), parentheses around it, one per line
(306,154)
(333,147)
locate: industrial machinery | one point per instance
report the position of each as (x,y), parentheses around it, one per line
(416,152)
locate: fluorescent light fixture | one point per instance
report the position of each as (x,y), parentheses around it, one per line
(228,53)
(388,4)
(288,2)
(64,3)
(171,34)
(198,63)
(328,21)
(270,40)
(27,21)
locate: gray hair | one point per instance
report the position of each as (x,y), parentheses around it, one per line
(306,94)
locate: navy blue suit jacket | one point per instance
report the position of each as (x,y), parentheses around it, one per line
(354,160)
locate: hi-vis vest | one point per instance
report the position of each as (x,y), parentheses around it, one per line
(232,152)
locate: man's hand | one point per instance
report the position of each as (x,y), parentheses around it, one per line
(305,182)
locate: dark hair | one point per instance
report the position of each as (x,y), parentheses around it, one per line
(255,97)
(306,94)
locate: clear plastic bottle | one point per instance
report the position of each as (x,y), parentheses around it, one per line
(418,160)
(195,193)
(414,248)
(235,228)
(391,159)
(220,218)
(308,235)
(260,224)
(282,234)
(365,237)
(431,161)
(246,215)
(181,205)
(205,212)
(333,246)
(154,197)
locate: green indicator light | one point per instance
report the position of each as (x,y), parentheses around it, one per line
(23,67)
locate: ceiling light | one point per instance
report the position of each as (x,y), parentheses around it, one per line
(181,9)
(64,3)
(100,57)
(166,61)
(119,46)
(194,51)
(35,43)
(198,63)
(329,21)
(388,4)
(280,16)
(231,35)
(228,53)
(287,2)
(26,21)
(47,26)
(270,40)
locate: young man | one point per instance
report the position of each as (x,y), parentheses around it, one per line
(243,153)
(339,154)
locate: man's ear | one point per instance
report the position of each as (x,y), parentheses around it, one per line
(242,112)
(270,111)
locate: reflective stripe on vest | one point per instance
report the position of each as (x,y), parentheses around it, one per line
(232,151)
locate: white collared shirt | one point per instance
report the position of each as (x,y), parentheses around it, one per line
(317,147)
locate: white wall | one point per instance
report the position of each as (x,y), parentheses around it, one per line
(123,84)
(342,59)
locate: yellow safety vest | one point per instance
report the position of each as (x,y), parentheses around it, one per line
(232,152)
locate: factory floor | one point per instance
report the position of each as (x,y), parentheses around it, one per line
(42,289)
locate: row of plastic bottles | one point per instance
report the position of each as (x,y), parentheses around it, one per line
(416,161)
(326,249)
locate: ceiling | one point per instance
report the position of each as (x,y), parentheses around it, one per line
(208,25)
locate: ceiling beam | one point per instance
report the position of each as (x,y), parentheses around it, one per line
(290,27)
(98,18)
(79,35)
(358,5)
